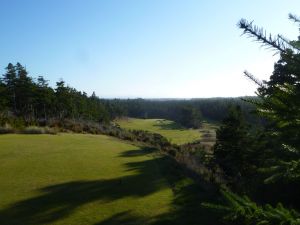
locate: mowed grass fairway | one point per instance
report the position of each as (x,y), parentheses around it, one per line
(172,131)
(169,129)
(80,179)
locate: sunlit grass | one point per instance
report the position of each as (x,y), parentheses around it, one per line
(78,179)
(169,129)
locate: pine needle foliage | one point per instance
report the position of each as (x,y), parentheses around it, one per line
(277,42)
(241,210)
(279,103)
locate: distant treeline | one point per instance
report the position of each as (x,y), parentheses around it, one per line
(25,100)
(189,113)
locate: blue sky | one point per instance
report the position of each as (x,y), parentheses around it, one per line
(143,48)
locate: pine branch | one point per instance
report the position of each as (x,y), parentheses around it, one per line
(289,171)
(241,210)
(277,42)
(294,18)
(293,44)
(254,79)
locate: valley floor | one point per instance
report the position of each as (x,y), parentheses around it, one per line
(172,131)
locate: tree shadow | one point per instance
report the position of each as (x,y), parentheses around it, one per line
(142,152)
(58,201)
(188,196)
(123,218)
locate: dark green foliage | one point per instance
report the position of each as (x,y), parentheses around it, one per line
(9,80)
(3,100)
(31,101)
(189,117)
(188,113)
(183,112)
(283,171)
(232,150)
(280,105)
(241,210)
(276,149)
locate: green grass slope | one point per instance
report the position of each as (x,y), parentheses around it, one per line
(78,179)
(75,179)
(169,129)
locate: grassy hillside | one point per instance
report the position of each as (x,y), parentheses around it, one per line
(77,179)
(89,179)
(169,129)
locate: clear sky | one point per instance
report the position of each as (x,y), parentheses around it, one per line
(143,48)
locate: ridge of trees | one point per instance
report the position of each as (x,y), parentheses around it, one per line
(25,100)
(33,100)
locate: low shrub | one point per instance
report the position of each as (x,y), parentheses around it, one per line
(32,130)
(6,129)
(38,130)
(48,130)
(17,123)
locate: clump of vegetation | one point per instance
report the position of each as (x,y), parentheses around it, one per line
(233,149)
(38,130)
(6,129)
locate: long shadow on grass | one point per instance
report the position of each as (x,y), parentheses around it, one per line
(188,196)
(142,152)
(58,201)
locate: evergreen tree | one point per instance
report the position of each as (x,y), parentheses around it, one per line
(3,99)
(24,93)
(44,98)
(33,101)
(279,104)
(9,79)
(232,150)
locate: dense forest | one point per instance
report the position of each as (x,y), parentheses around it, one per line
(31,100)
(189,112)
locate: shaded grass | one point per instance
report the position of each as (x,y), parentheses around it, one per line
(89,179)
(188,196)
